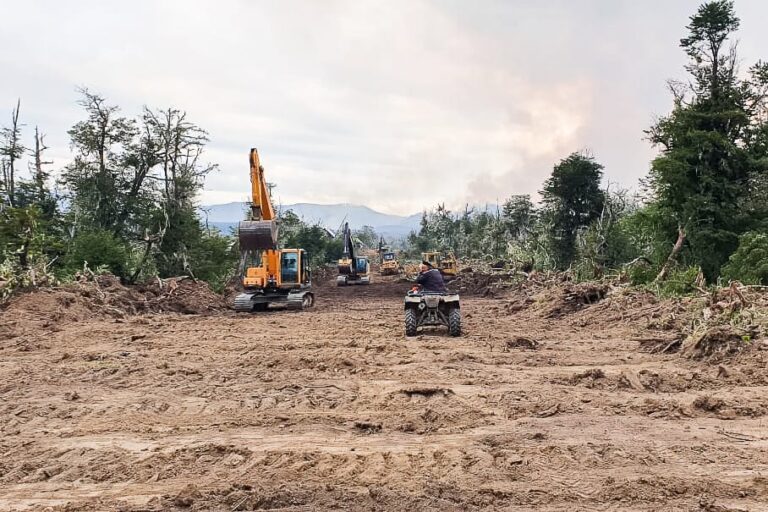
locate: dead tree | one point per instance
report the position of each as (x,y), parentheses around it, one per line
(39,174)
(12,150)
(672,255)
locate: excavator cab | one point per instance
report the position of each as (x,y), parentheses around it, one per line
(289,268)
(294,267)
(361,265)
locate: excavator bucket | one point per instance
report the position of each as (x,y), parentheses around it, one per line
(257,235)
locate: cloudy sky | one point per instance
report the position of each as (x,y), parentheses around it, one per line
(394,104)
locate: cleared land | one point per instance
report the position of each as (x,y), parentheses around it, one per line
(539,405)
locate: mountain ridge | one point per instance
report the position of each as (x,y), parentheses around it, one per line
(226,216)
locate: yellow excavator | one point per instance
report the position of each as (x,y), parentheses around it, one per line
(353,269)
(445,263)
(269,275)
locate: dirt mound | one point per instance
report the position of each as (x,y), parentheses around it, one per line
(483,284)
(325,275)
(563,301)
(188,297)
(105,296)
(717,343)
(523,343)
(630,306)
(502,283)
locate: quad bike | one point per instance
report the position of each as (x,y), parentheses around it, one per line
(430,308)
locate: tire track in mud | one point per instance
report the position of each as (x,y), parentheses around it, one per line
(335,408)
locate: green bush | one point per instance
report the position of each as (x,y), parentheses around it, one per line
(100,249)
(749,264)
(680,281)
(213,259)
(641,272)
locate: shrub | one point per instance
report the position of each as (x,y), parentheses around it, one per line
(749,264)
(99,249)
(680,281)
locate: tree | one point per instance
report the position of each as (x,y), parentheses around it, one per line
(749,263)
(366,236)
(96,179)
(519,216)
(139,180)
(11,150)
(176,146)
(572,199)
(701,178)
(28,213)
(313,238)
(710,28)
(39,174)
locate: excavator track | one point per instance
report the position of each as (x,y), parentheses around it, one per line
(244,302)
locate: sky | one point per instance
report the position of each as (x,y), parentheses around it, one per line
(395,104)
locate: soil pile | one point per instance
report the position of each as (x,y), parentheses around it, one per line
(470,282)
(325,275)
(562,301)
(718,343)
(106,296)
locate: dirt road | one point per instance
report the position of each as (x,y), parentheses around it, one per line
(334,408)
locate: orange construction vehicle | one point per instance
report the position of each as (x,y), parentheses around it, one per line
(269,275)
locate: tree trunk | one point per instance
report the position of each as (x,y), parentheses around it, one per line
(14,150)
(40,174)
(144,257)
(672,255)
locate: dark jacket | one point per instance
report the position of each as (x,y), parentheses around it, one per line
(431,281)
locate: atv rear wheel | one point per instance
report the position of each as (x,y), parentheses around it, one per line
(454,322)
(410,322)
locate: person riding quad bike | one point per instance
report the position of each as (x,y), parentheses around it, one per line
(430,303)
(430,279)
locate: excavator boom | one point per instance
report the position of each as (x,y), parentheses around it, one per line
(262,206)
(260,232)
(349,246)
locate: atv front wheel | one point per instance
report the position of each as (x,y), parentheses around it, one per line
(454,322)
(410,322)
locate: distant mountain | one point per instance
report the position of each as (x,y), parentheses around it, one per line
(331,216)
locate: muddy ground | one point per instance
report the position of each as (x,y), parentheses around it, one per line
(538,406)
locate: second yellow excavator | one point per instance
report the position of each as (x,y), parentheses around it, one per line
(268,274)
(353,269)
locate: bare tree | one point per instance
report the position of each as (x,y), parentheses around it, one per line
(180,144)
(12,150)
(39,174)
